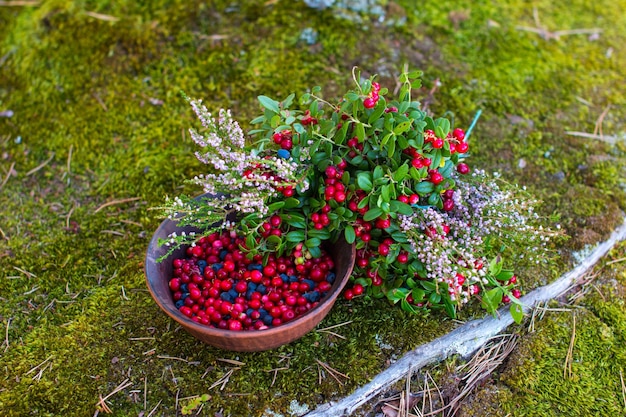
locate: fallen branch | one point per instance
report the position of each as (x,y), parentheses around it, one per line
(465,339)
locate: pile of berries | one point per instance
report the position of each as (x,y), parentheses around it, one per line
(219,286)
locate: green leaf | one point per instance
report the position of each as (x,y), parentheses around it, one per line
(436,160)
(378,111)
(391,148)
(364,181)
(400,208)
(495,266)
(402,142)
(378,172)
(491,300)
(315,251)
(372,214)
(349,234)
(269,104)
(275,206)
(291,203)
(449,307)
(364,202)
(295,236)
(404,304)
(505,275)
(313,242)
(447,169)
(400,174)
(516,312)
(384,191)
(444,125)
(435,200)
(385,139)
(322,234)
(424,187)
(274,240)
(250,242)
(418,295)
(360,132)
(402,127)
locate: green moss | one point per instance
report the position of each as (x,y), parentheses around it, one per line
(103,97)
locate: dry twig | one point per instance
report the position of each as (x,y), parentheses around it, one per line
(114,202)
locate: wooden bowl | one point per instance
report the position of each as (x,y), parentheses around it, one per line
(158,275)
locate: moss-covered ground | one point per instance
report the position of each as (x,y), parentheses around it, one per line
(97,136)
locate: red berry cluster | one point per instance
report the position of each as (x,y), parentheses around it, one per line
(335,189)
(371,100)
(321,220)
(448,202)
(218,286)
(272,227)
(409,199)
(355,147)
(307,119)
(283,139)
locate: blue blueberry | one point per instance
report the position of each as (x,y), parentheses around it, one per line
(201,265)
(217,267)
(283,153)
(179,303)
(331,277)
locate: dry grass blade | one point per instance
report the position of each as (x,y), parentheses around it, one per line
(598,128)
(102,402)
(6,334)
(101,16)
(8,175)
(609,139)
(567,366)
(231,361)
(614,261)
(334,326)
(33,369)
(155,407)
(40,166)
(19,3)
(621,378)
(333,372)
(115,202)
(224,379)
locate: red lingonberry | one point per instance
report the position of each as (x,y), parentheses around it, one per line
(463,168)
(462,147)
(458,134)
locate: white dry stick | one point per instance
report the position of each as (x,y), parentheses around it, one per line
(465,339)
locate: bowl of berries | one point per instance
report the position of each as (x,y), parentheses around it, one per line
(239,303)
